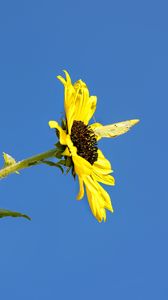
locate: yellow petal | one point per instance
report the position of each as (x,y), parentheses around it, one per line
(93,204)
(102,165)
(92,108)
(82,166)
(102,169)
(106,198)
(106,179)
(69,99)
(72,148)
(98,198)
(66,152)
(81,100)
(81,188)
(97,209)
(78,104)
(85,104)
(62,80)
(68,78)
(62,137)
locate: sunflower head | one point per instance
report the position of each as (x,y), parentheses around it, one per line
(78,145)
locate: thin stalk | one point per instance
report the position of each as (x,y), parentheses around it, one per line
(28,162)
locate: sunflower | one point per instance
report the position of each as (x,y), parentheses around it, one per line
(78,144)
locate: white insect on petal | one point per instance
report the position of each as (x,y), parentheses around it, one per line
(115,129)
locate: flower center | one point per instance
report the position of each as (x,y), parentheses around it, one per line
(85,141)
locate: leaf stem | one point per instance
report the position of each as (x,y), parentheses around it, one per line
(28,162)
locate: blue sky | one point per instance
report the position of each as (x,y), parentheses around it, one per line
(120,48)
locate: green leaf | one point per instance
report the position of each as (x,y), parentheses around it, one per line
(62,162)
(68,162)
(60,146)
(53,164)
(58,154)
(34,163)
(57,133)
(9,213)
(68,169)
(73,172)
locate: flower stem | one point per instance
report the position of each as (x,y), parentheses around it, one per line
(28,162)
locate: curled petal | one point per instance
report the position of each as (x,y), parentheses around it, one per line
(54,124)
(69,99)
(62,80)
(78,104)
(68,78)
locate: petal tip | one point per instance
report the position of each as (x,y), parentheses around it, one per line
(61,79)
(68,78)
(52,124)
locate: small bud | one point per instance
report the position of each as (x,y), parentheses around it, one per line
(9,161)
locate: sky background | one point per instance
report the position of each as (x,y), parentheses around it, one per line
(120,49)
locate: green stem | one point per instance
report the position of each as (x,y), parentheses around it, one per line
(28,162)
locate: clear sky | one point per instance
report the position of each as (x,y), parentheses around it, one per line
(120,48)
